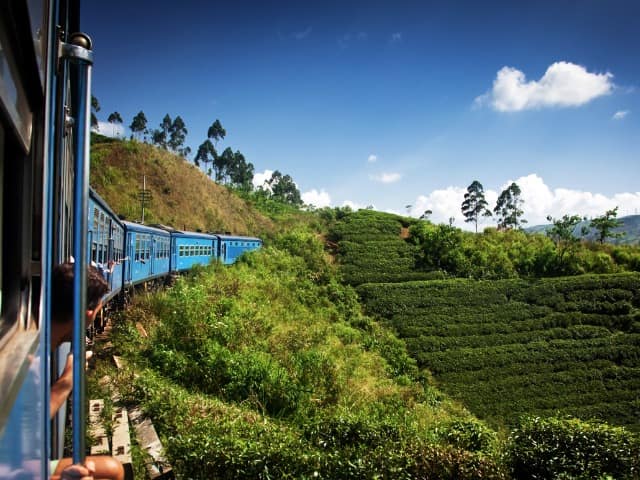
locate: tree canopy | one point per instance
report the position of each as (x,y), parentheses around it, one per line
(509,208)
(605,224)
(138,125)
(474,205)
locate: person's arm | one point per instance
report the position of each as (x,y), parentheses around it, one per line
(61,389)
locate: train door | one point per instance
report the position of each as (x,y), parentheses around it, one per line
(152,258)
(174,255)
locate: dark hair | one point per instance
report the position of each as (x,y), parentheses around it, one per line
(62,289)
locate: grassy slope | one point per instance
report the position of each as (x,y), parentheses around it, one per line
(183,196)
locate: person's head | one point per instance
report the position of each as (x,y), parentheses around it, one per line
(62,292)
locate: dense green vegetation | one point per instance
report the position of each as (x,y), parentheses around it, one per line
(377,247)
(268,369)
(512,347)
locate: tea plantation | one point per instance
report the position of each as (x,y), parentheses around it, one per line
(511,347)
(371,249)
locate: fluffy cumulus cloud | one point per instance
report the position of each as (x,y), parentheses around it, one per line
(386,177)
(113,130)
(564,84)
(619,115)
(259,179)
(316,198)
(372,158)
(539,201)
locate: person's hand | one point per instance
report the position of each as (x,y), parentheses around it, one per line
(79,472)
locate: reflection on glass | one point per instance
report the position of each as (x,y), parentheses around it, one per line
(12,94)
(38,33)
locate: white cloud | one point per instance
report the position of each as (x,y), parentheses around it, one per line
(539,201)
(396,37)
(303,34)
(619,115)
(259,179)
(564,84)
(372,159)
(317,199)
(113,130)
(386,177)
(444,203)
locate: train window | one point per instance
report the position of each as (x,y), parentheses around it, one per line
(12,93)
(137,257)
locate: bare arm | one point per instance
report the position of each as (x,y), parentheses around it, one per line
(61,389)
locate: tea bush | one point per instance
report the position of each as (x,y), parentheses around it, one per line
(549,448)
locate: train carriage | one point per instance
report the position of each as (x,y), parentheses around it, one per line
(105,239)
(231,247)
(192,248)
(147,251)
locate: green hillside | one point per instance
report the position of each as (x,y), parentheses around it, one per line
(271,369)
(512,347)
(182,195)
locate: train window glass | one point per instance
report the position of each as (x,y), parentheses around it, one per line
(137,248)
(38,32)
(12,94)
(181,252)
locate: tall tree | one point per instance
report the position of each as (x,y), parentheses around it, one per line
(509,208)
(160,137)
(114,118)
(241,172)
(222,164)
(95,108)
(177,134)
(474,205)
(138,125)
(605,224)
(206,153)
(216,132)
(283,188)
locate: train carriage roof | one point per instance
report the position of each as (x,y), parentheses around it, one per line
(101,202)
(138,227)
(237,237)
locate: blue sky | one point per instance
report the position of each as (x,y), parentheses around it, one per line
(393,104)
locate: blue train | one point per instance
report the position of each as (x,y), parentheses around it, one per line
(131,253)
(47,215)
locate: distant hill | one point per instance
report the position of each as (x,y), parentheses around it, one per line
(630,226)
(182,195)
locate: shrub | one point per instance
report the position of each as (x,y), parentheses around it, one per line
(569,448)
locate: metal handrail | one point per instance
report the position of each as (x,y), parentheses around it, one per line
(80,57)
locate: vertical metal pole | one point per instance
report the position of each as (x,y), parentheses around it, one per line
(47,233)
(79,52)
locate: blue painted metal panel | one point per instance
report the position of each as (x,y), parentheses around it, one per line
(147,253)
(231,247)
(192,248)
